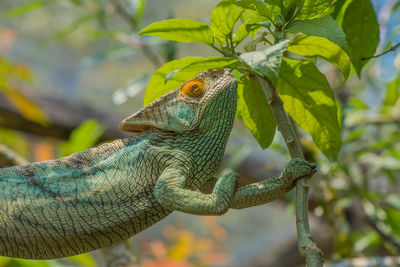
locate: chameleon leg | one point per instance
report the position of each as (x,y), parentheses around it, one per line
(208,186)
(170,193)
(273,188)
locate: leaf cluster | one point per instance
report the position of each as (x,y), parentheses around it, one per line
(281,40)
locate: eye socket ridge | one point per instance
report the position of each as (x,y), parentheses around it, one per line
(193,88)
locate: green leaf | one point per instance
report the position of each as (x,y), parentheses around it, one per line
(139,8)
(322,27)
(82,138)
(355,135)
(223,19)
(157,86)
(362,31)
(309,100)
(196,67)
(393,200)
(314,9)
(180,30)
(13,262)
(393,218)
(15,141)
(357,104)
(255,112)
(311,46)
(179,71)
(293,9)
(267,62)
(83,260)
(73,27)
(340,10)
(339,4)
(22,9)
(253,23)
(369,239)
(392,92)
(257,7)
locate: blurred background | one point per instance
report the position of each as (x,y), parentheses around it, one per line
(71,70)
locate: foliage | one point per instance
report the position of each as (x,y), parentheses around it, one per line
(180,247)
(82,138)
(311,105)
(359,193)
(252,108)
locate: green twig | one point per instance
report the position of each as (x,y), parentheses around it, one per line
(393,48)
(220,50)
(308,249)
(131,20)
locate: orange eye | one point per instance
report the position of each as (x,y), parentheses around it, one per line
(193,88)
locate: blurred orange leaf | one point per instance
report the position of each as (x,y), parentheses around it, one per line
(44,151)
(218,232)
(166,263)
(158,249)
(26,107)
(215,258)
(7,39)
(205,244)
(12,74)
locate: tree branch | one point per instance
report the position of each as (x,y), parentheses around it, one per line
(135,43)
(308,249)
(124,14)
(371,221)
(393,48)
(64,115)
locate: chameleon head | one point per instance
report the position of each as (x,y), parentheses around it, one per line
(208,94)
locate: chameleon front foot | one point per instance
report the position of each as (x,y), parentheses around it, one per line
(296,169)
(273,188)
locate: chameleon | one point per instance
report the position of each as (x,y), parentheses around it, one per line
(106,194)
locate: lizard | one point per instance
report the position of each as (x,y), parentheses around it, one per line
(106,194)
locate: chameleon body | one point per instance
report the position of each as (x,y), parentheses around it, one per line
(98,197)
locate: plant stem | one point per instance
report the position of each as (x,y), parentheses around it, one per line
(131,20)
(308,249)
(393,48)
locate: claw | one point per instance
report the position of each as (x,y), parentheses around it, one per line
(314,166)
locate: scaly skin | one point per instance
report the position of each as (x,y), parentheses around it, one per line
(107,194)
